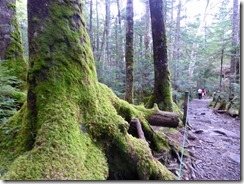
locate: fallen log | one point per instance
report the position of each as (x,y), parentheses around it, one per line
(164,119)
(220,111)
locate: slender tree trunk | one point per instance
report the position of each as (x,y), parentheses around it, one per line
(120,38)
(221,68)
(177,46)
(129,52)
(147,55)
(90,25)
(234,64)
(171,42)
(147,32)
(116,41)
(98,27)
(104,50)
(195,44)
(162,94)
(107,28)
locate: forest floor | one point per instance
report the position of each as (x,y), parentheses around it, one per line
(212,147)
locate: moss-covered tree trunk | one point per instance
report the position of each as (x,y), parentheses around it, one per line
(72,127)
(162,94)
(129,52)
(11,50)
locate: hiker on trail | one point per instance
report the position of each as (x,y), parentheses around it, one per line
(199,93)
(203,92)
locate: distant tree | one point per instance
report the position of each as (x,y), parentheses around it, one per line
(129,52)
(176,49)
(162,94)
(235,61)
(91,24)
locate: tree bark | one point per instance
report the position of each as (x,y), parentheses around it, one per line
(147,55)
(137,125)
(11,50)
(221,68)
(164,119)
(107,32)
(90,25)
(234,64)
(97,44)
(129,55)
(72,127)
(162,94)
(176,52)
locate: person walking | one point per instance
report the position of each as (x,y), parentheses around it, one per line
(203,92)
(199,91)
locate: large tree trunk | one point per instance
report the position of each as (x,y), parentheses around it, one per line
(72,127)
(162,94)
(129,52)
(11,50)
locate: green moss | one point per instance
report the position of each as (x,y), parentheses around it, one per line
(14,56)
(9,144)
(211,104)
(74,120)
(61,151)
(141,158)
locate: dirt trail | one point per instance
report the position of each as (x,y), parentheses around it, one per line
(213,143)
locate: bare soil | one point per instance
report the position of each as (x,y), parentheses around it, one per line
(212,147)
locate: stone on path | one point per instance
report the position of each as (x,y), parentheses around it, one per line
(232,156)
(226,132)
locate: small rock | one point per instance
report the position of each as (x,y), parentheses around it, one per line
(198,162)
(190,136)
(198,131)
(233,156)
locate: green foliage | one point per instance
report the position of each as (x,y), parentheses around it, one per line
(11,98)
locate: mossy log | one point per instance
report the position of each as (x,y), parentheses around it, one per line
(220,105)
(72,127)
(233,107)
(164,119)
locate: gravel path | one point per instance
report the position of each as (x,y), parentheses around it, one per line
(213,143)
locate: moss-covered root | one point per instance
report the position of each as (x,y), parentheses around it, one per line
(61,151)
(171,106)
(137,153)
(128,112)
